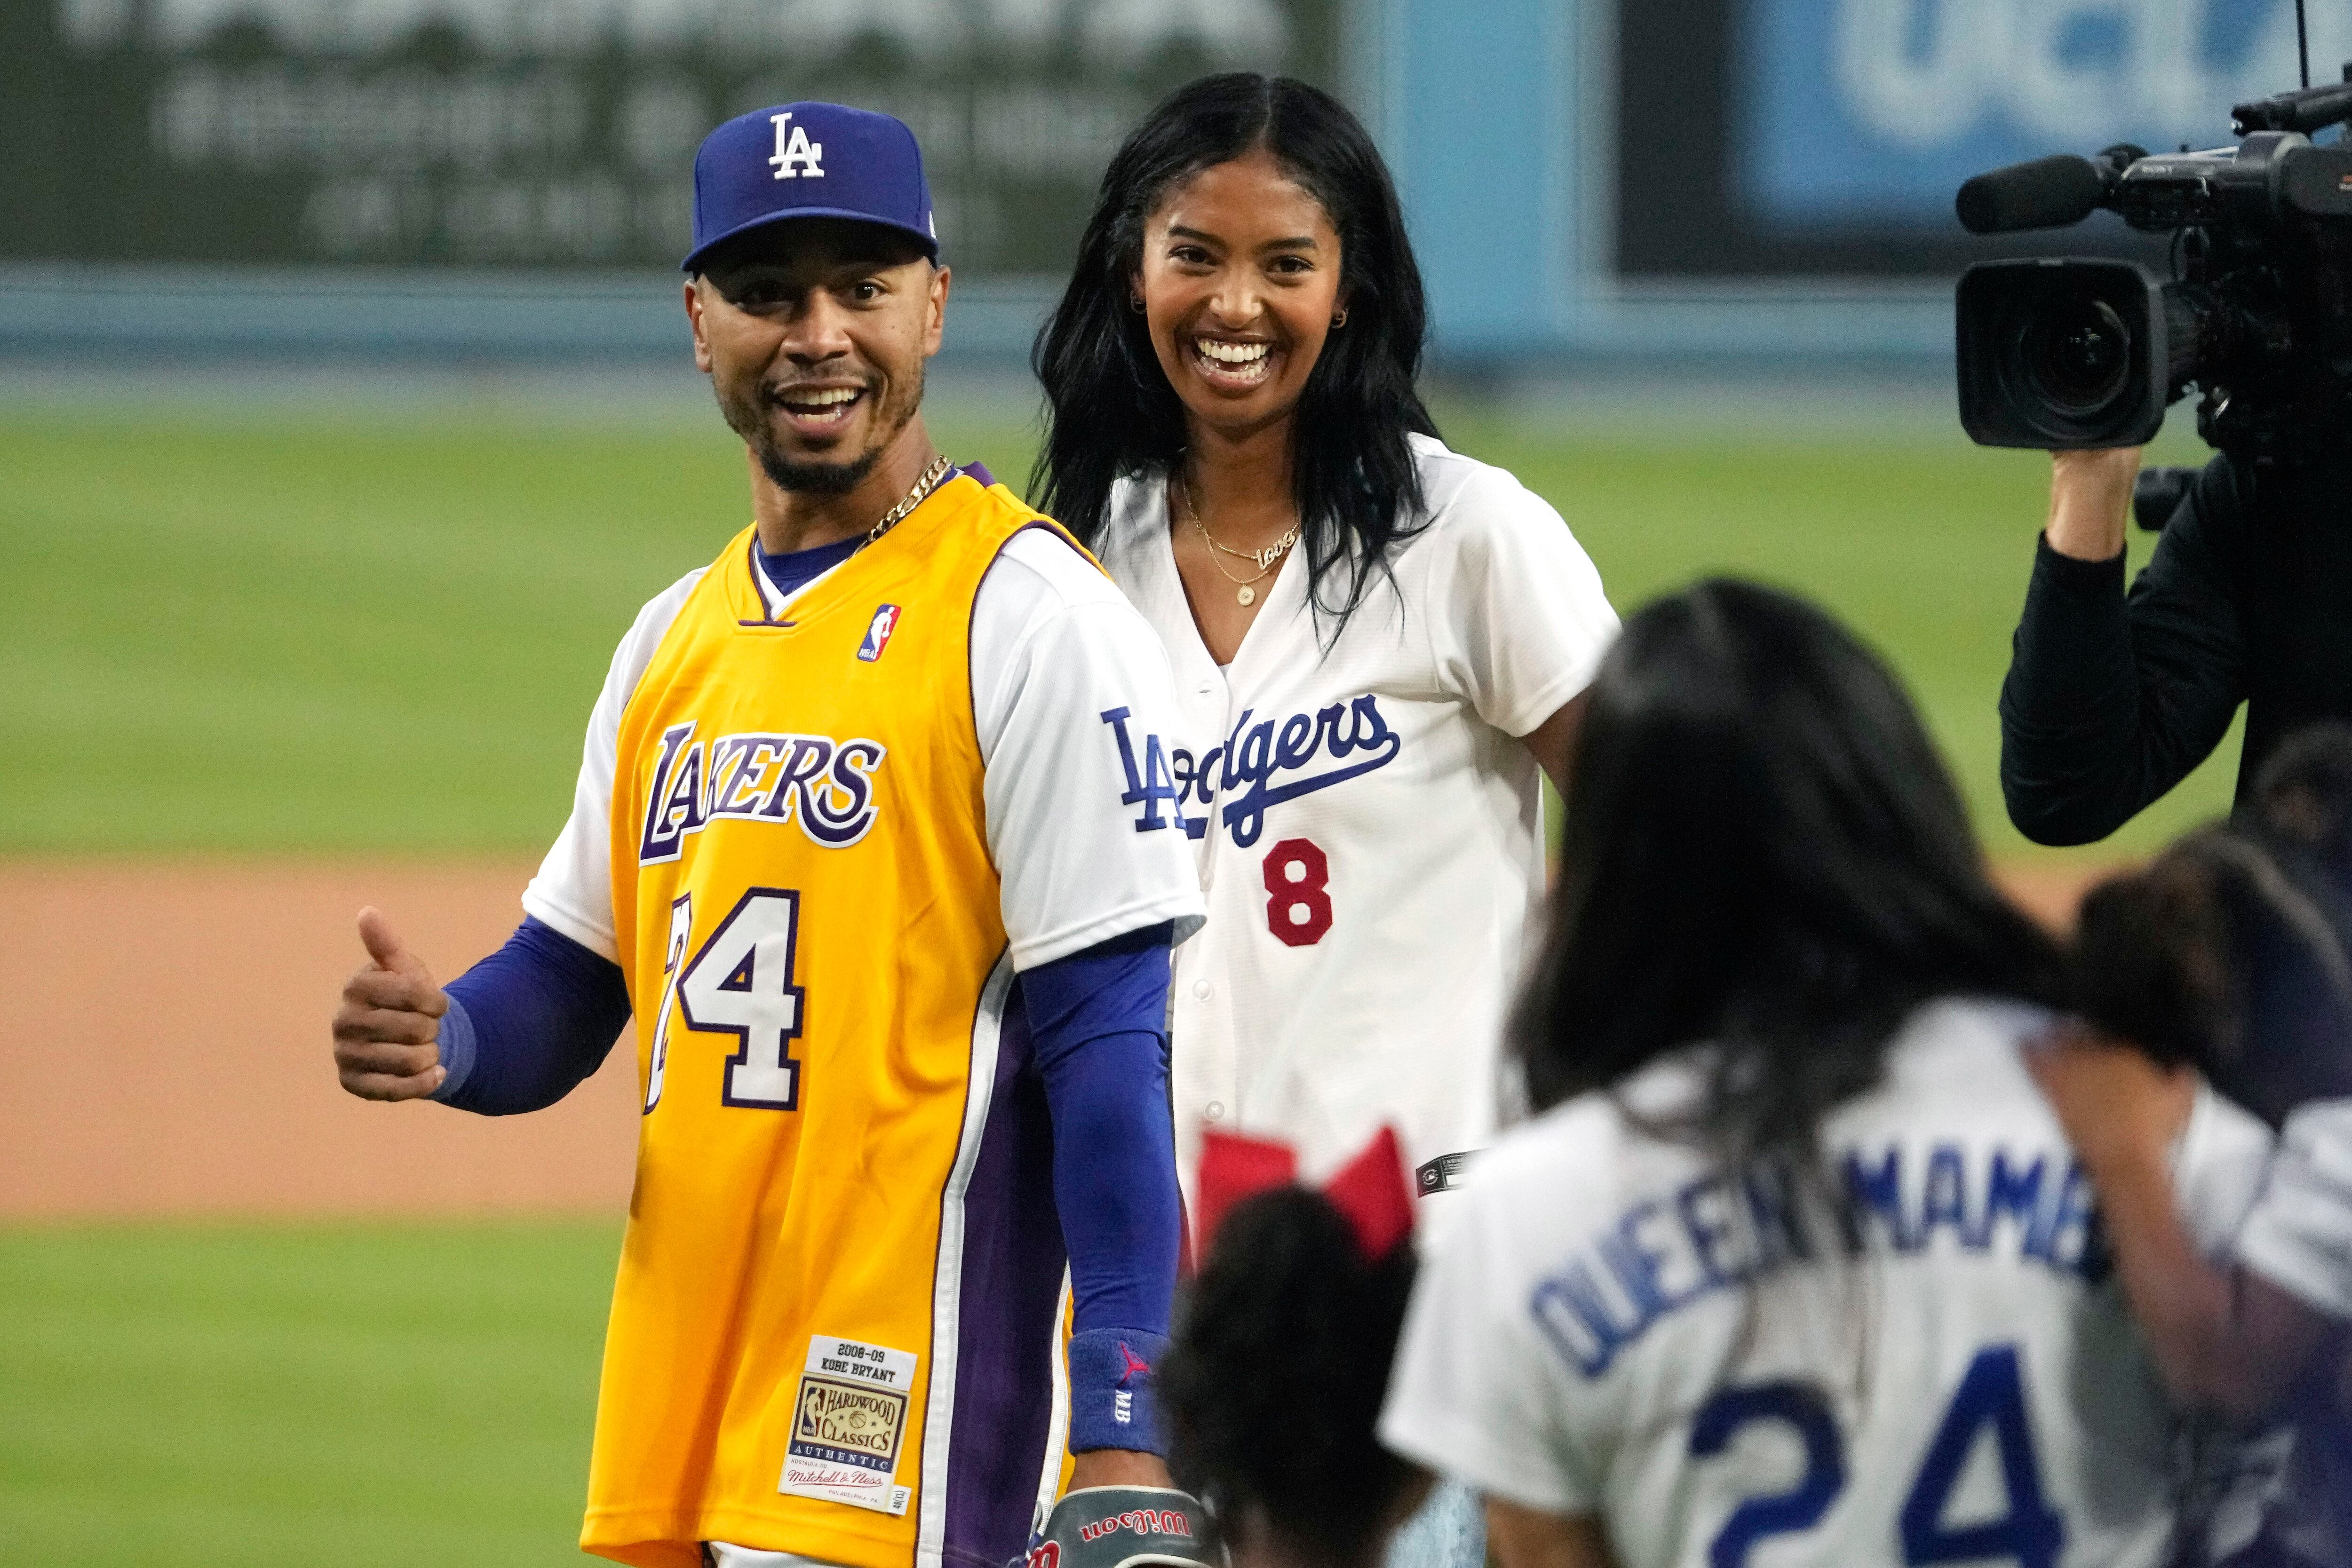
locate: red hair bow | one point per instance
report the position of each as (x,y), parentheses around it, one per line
(1371,1189)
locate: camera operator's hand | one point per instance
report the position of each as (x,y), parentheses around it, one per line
(2090,501)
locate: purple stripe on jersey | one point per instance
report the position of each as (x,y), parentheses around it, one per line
(1007,1338)
(977,472)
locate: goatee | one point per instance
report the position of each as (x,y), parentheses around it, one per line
(748,418)
(816,478)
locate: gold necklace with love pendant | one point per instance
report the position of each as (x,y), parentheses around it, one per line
(1266,559)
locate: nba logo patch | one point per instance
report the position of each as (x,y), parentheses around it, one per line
(877,633)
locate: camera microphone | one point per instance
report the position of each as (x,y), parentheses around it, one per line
(2047,193)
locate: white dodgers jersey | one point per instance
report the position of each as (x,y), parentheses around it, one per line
(1938,1366)
(1369,827)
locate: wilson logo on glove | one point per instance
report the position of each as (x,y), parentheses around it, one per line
(1142,1520)
(1125,1527)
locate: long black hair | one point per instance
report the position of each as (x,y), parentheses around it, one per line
(1273,1384)
(1763,852)
(1110,411)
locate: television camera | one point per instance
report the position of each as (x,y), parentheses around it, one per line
(2077,352)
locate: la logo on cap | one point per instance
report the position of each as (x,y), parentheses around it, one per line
(795,153)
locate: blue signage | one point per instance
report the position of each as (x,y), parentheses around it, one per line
(1869,113)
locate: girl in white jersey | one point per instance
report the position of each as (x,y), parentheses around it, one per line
(1376,641)
(1795,1267)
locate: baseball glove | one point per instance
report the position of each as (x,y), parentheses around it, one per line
(1126,1527)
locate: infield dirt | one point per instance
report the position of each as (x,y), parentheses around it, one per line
(164,1046)
(166,1050)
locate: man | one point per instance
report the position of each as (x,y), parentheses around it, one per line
(2112,699)
(849,840)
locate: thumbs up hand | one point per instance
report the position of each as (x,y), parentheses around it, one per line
(387,1029)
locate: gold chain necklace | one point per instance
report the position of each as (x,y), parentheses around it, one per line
(1264,560)
(923,487)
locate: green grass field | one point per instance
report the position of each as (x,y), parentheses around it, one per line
(298,1397)
(303,634)
(306,635)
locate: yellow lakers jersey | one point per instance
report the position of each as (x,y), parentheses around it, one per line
(832,1333)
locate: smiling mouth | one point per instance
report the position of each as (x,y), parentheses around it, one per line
(817,408)
(1230,363)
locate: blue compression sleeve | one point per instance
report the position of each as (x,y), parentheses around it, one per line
(529,1022)
(1098,1020)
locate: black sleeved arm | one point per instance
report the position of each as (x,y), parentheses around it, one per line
(2112,699)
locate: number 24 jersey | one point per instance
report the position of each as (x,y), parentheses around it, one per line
(1725,1373)
(820,833)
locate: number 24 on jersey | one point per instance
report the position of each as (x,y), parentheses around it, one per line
(1992,1396)
(738,983)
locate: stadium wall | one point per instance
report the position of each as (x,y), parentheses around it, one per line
(1670,182)
(1501,118)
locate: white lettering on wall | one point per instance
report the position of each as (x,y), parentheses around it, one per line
(1121,31)
(1919,73)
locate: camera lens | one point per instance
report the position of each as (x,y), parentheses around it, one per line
(2064,353)
(2077,352)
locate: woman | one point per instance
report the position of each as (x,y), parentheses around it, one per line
(1797,1265)
(1378,643)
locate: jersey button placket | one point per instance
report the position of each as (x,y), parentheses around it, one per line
(1214,696)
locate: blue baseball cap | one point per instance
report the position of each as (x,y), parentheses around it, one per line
(809,161)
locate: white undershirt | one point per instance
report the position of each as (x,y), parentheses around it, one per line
(725,1556)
